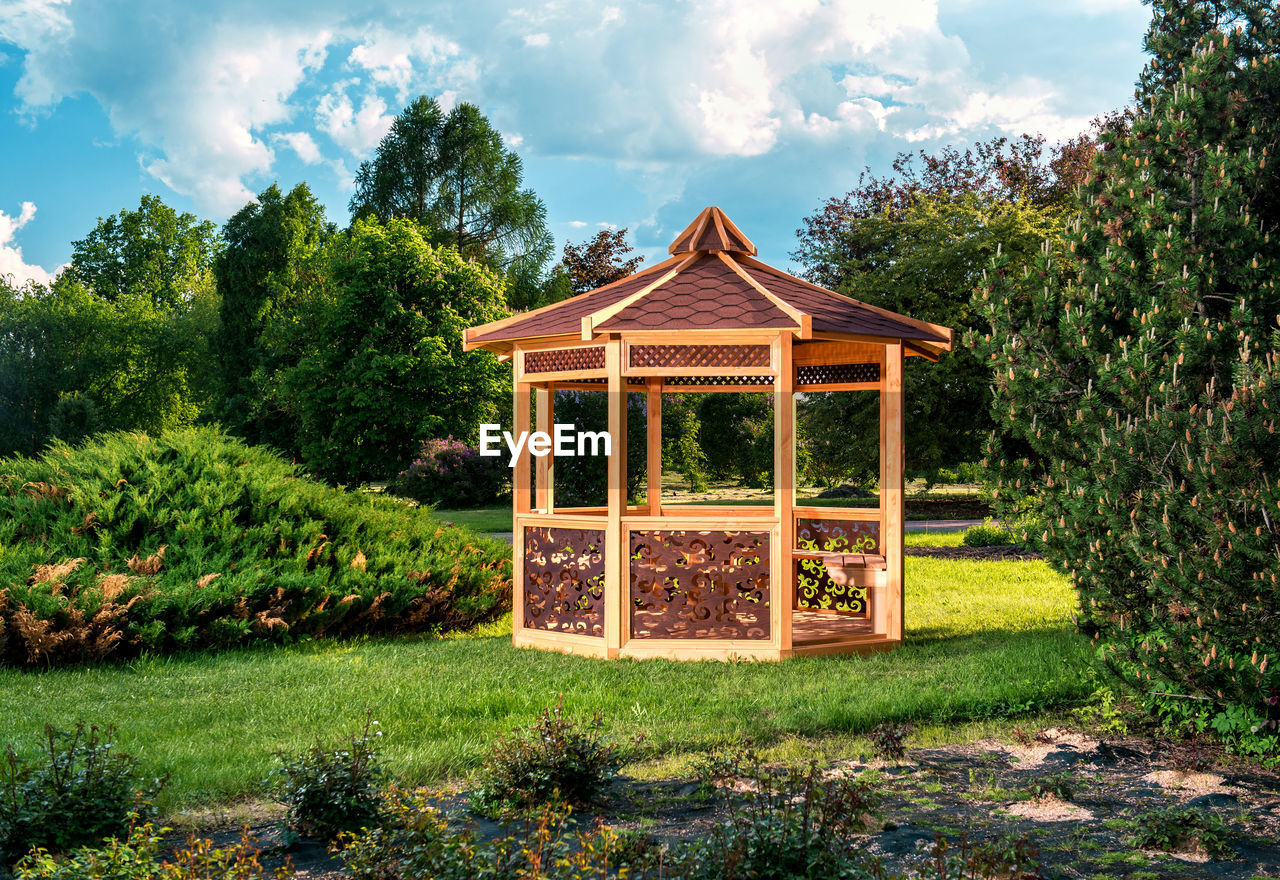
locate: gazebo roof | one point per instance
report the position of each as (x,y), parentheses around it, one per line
(712,282)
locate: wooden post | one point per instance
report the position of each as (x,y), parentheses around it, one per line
(653,446)
(892,487)
(616,565)
(545,415)
(519,505)
(782,590)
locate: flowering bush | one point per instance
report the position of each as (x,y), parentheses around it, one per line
(452,473)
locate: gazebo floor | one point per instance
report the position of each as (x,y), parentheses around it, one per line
(817,632)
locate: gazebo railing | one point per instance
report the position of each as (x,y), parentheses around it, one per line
(560,565)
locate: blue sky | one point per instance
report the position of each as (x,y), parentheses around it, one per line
(632,114)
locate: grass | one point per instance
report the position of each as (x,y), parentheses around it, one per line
(985,640)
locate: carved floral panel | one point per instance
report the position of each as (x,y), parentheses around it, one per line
(564,580)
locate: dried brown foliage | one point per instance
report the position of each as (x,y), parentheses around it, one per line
(56,572)
(207,579)
(149,566)
(45,491)
(360,561)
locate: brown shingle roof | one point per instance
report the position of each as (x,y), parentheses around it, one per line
(716,285)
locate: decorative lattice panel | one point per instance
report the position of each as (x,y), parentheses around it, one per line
(564,580)
(699,585)
(718,380)
(564,360)
(816,590)
(838,535)
(699,356)
(836,374)
(814,586)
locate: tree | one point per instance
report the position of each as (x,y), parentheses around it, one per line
(916,243)
(600,260)
(388,371)
(153,252)
(267,274)
(72,362)
(1136,378)
(452,173)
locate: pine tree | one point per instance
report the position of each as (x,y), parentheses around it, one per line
(1136,377)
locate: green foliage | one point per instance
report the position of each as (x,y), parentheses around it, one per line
(137,858)
(1181,828)
(583,480)
(681,450)
(1009,857)
(153,253)
(1103,713)
(417,840)
(790,823)
(79,790)
(452,173)
(735,432)
(988,534)
(333,790)
(916,243)
(132,363)
(556,759)
(194,540)
(1059,785)
(1136,375)
(270,283)
(388,371)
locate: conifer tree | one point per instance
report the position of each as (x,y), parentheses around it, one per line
(1136,377)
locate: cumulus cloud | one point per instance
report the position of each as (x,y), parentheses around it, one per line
(209,97)
(12,265)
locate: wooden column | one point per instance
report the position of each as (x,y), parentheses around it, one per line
(616,568)
(519,505)
(653,446)
(892,487)
(782,590)
(545,414)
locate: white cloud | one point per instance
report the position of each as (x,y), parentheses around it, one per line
(538,40)
(303,145)
(12,265)
(355,130)
(409,62)
(577,224)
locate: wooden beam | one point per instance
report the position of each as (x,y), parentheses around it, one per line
(893,489)
(519,507)
(653,446)
(544,405)
(782,592)
(616,556)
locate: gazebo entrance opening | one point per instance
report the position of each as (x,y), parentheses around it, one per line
(706,581)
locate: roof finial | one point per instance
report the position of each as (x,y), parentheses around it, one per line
(712,230)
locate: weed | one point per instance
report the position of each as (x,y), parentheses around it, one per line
(1103,713)
(1058,785)
(559,760)
(988,534)
(890,740)
(78,791)
(331,790)
(1174,828)
(1008,858)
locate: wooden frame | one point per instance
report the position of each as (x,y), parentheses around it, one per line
(793,351)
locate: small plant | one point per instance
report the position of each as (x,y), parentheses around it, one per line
(1058,785)
(721,765)
(890,740)
(136,858)
(331,790)
(790,823)
(1190,757)
(558,759)
(1177,828)
(79,791)
(416,840)
(987,534)
(1007,858)
(1103,712)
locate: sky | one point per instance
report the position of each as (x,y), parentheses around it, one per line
(634,114)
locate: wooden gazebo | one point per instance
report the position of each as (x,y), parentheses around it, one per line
(694,581)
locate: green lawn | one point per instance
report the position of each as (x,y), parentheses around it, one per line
(985,639)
